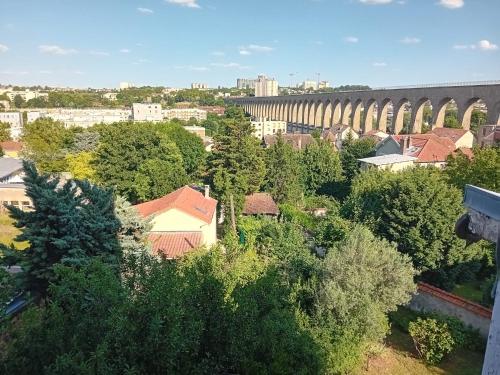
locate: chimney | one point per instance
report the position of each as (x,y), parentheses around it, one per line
(207,191)
(404,144)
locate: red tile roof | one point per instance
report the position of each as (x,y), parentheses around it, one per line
(184,199)
(11,146)
(453,134)
(260,204)
(174,245)
(428,148)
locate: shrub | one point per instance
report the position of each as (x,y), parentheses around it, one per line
(432,339)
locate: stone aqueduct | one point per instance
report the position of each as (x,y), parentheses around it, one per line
(325,110)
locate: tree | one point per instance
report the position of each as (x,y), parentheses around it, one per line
(416,209)
(451,120)
(134,229)
(46,142)
(158,177)
(432,339)
(126,147)
(87,140)
(236,165)
(349,155)
(69,224)
(284,172)
(190,146)
(80,165)
(322,167)
(19,101)
(4,131)
(477,119)
(482,170)
(363,278)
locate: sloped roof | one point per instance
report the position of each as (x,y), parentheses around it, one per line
(453,134)
(388,159)
(184,199)
(297,141)
(260,204)
(428,148)
(9,166)
(174,245)
(11,146)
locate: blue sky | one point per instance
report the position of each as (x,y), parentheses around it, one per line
(98,43)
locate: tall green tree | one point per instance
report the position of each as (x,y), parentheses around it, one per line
(482,170)
(236,165)
(190,146)
(125,148)
(69,224)
(352,151)
(284,172)
(46,143)
(322,167)
(415,208)
(4,131)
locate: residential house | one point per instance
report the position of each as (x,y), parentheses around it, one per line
(12,190)
(429,149)
(377,135)
(391,162)
(337,134)
(297,141)
(260,204)
(461,137)
(488,135)
(181,221)
(11,148)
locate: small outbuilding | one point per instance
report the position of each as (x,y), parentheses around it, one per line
(260,204)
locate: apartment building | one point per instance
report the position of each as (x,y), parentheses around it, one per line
(82,117)
(266,87)
(185,114)
(263,127)
(15,120)
(245,83)
(147,112)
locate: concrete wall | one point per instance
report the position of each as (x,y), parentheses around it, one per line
(432,299)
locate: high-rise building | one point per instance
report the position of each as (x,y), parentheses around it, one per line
(323,85)
(125,85)
(309,85)
(245,83)
(266,87)
(199,86)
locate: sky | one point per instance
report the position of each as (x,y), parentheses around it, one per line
(381,43)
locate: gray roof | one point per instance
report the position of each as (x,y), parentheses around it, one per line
(9,166)
(388,159)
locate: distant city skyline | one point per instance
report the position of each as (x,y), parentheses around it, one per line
(177,42)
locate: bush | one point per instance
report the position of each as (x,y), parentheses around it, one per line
(432,339)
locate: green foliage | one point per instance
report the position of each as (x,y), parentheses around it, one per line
(415,208)
(87,140)
(432,340)
(284,172)
(214,124)
(331,229)
(236,165)
(158,177)
(482,170)
(190,146)
(451,120)
(322,167)
(19,101)
(69,225)
(130,155)
(46,142)
(80,165)
(363,279)
(4,131)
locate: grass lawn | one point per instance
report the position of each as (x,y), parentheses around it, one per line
(400,358)
(8,232)
(470,291)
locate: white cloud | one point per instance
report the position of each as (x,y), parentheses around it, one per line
(379,64)
(14,73)
(375,2)
(482,45)
(486,45)
(318,42)
(45,71)
(452,4)
(410,40)
(231,65)
(251,48)
(218,53)
(192,68)
(145,10)
(125,50)
(78,72)
(3,48)
(56,50)
(185,3)
(99,53)
(351,39)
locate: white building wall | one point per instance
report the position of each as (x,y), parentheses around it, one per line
(147,112)
(15,119)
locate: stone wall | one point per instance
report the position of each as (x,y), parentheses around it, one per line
(432,299)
